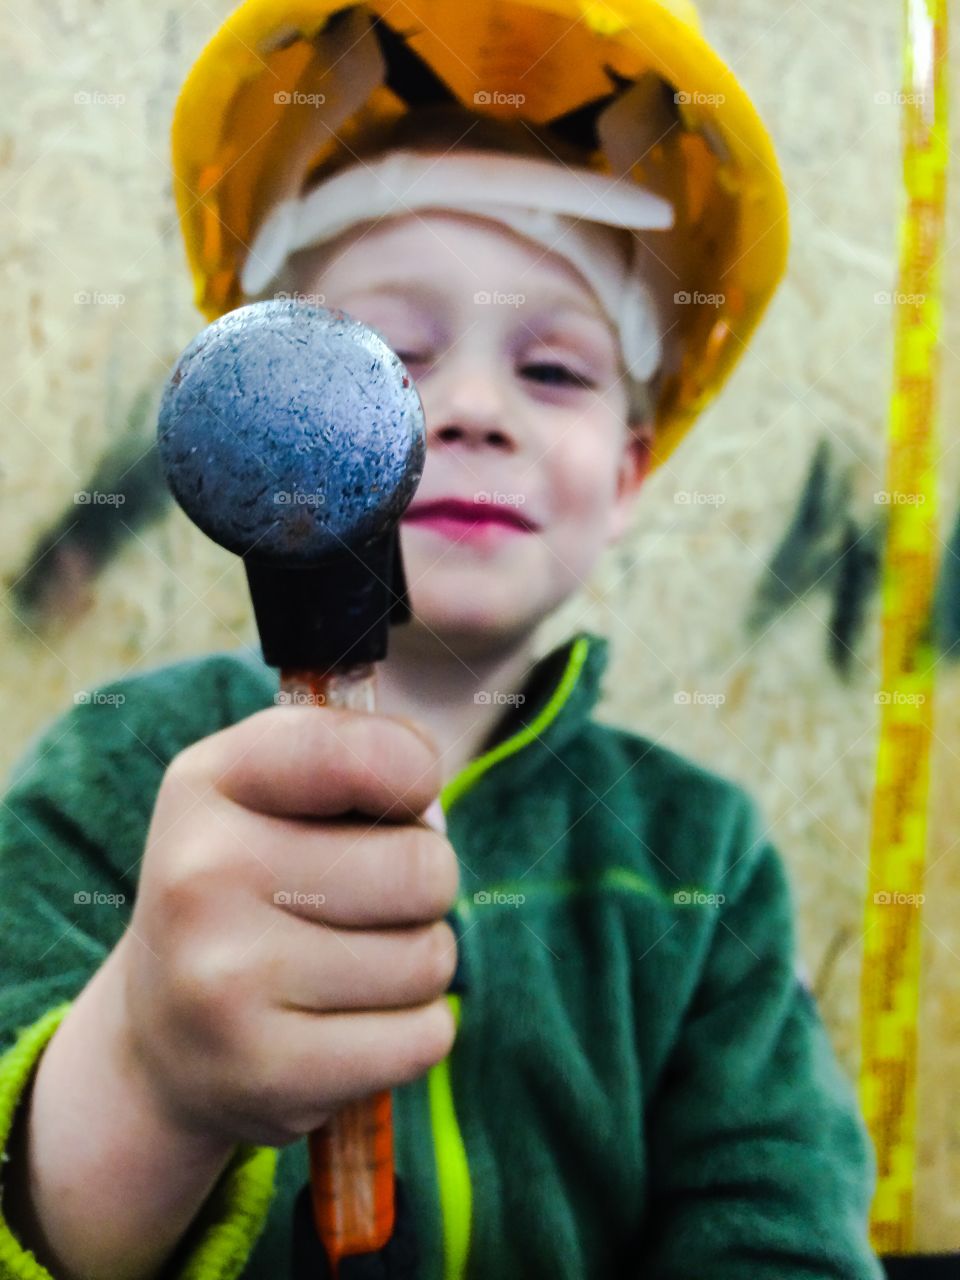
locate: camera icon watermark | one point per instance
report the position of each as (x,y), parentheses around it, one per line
(97,298)
(899,299)
(494,897)
(895,498)
(294,498)
(495,697)
(695,898)
(698,299)
(497,298)
(488,98)
(884,98)
(299,698)
(896,698)
(83,898)
(698,498)
(96,98)
(295,98)
(309,299)
(97,698)
(895,898)
(697,99)
(94,498)
(495,497)
(296,898)
(697,698)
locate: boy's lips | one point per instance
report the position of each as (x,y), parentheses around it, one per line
(462,518)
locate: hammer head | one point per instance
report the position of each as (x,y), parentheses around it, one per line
(294,436)
(291,432)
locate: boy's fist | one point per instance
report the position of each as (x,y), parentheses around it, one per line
(287,951)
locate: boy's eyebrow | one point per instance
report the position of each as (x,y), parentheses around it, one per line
(548,314)
(551,306)
(418,288)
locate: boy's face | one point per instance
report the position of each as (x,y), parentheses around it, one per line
(525,412)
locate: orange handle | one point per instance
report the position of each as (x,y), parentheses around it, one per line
(351,1157)
(351,1178)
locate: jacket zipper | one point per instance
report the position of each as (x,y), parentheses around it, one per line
(453,1170)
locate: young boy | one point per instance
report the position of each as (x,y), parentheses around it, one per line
(628,1078)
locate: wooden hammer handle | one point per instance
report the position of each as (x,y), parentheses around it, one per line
(351,1157)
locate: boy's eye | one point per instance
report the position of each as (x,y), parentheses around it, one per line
(567,376)
(410,358)
(550,373)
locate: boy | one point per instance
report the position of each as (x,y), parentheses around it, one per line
(629,1078)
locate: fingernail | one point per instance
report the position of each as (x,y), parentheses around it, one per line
(434,816)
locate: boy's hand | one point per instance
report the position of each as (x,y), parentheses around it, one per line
(285,955)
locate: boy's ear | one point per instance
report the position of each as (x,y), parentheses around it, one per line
(634,465)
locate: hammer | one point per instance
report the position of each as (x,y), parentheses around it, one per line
(293,436)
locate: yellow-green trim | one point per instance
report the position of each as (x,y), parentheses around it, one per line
(453,1171)
(229,1223)
(467,776)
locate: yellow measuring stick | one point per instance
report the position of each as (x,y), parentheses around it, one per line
(891,956)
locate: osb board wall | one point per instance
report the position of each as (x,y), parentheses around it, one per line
(96,305)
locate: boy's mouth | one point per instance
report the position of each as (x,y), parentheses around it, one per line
(459,518)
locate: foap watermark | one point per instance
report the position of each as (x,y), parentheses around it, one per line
(96,498)
(895,498)
(897,698)
(495,497)
(297,898)
(97,698)
(299,698)
(696,898)
(496,697)
(497,298)
(697,698)
(84,898)
(696,99)
(698,299)
(97,298)
(884,98)
(899,299)
(496,898)
(896,898)
(286,498)
(311,299)
(493,97)
(296,98)
(97,98)
(698,498)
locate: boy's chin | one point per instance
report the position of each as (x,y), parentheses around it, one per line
(463,623)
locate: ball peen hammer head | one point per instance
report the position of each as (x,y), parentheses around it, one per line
(294,436)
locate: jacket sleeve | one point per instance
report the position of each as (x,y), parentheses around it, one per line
(71,831)
(760,1163)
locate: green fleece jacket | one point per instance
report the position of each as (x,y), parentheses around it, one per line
(640,1086)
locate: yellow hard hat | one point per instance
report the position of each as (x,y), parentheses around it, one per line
(246,129)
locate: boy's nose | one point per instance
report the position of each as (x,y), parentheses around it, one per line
(470,409)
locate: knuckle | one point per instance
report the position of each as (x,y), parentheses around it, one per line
(434,1036)
(429,871)
(192,876)
(213,992)
(189,769)
(440,958)
(339,741)
(429,1033)
(398,750)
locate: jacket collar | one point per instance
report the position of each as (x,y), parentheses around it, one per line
(559,694)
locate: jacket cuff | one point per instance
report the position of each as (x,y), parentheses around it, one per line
(226,1228)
